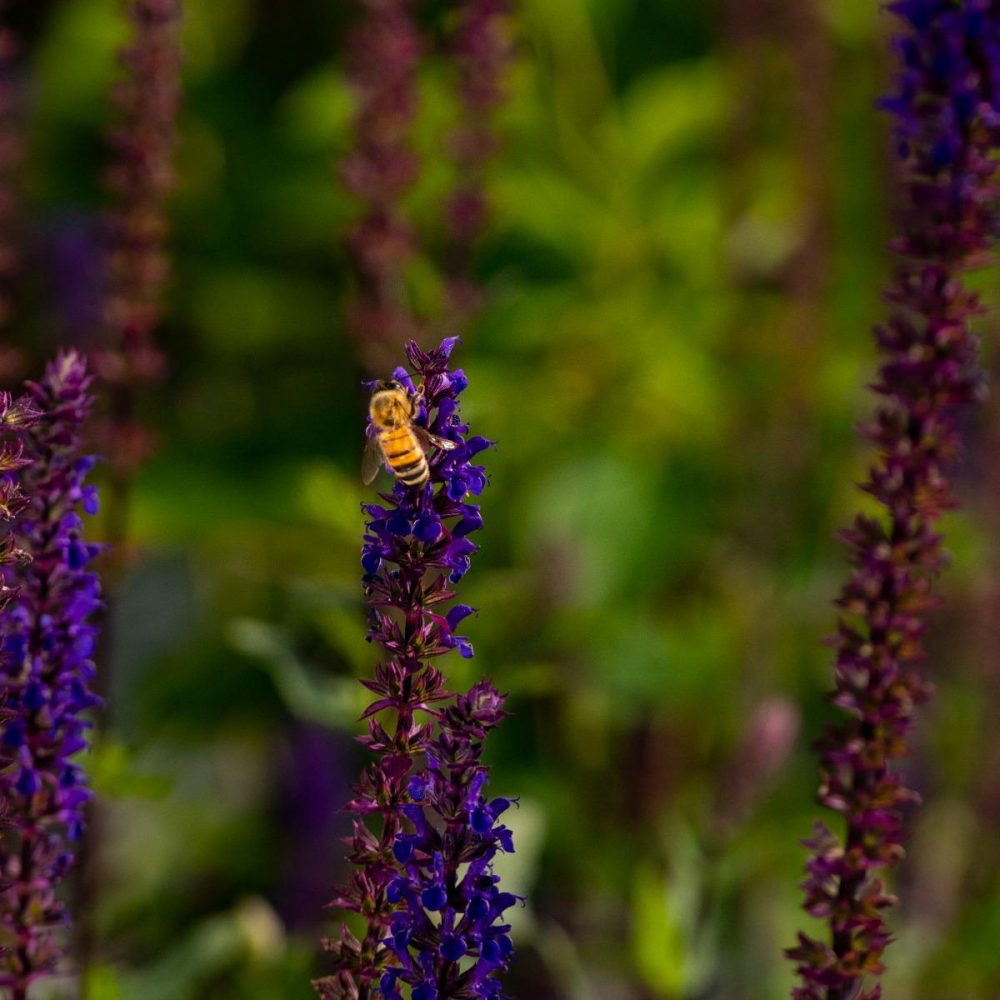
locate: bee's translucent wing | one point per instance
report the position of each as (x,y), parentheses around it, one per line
(428,440)
(371,461)
(443,443)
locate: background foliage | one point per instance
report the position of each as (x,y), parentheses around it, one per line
(683,272)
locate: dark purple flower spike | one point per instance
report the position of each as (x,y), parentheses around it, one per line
(384,53)
(482,48)
(11,154)
(947,126)
(47,675)
(420,810)
(450,939)
(16,421)
(140,176)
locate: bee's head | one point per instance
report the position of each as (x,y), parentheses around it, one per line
(390,404)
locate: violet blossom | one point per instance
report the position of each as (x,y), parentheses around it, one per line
(453,905)
(420,808)
(47,675)
(947,123)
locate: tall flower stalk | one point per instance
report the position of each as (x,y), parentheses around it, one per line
(424,834)
(47,675)
(17,418)
(947,120)
(11,151)
(481,48)
(127,361)
(140,176)
(385,49)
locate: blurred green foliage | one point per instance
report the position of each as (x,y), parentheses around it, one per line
(674,413)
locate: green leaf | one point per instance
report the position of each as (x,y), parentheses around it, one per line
(101,983)
(113,775)
(330,701)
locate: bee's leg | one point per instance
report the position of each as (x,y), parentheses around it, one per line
(417,401)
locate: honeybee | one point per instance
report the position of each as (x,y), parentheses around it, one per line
(398,442)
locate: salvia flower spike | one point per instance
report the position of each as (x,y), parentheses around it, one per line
(384,53)
(47,674)
(16,420)
(482,49)
(453,907)
(139,179)
(425,835)
(11,155)
(947,120)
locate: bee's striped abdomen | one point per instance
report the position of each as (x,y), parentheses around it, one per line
(405,456)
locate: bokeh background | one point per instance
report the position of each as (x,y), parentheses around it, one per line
(682,273)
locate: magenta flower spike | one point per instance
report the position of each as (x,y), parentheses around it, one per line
(425,835)
(47,675)
(947,120)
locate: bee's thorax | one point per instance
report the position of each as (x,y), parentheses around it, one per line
(390,408)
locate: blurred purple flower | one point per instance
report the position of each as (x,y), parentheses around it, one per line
(415,548)
(73,255)
(763,750)
(384,53)
(482,48)
(139,179)
(47,674)
(313,770)
(11,154)
(947,111)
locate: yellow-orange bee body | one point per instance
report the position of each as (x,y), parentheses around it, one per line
(398,442)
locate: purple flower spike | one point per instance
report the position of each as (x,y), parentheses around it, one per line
(384,54)
(11,156)
(46,675)
(482,50)
(139,179)
(947,110)
(423,883)
(454,908)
